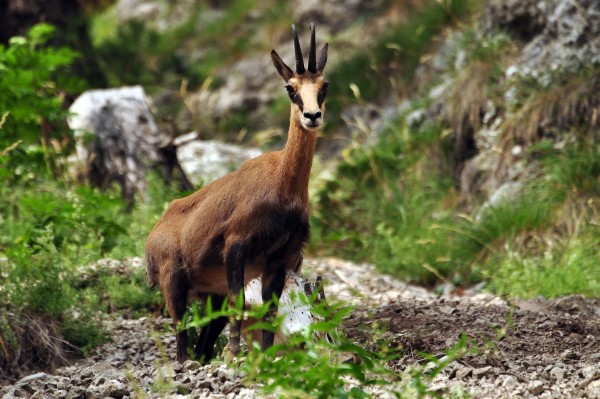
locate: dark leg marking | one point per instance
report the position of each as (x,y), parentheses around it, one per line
(272,286)
(176,300)
(234,265)
(209,333)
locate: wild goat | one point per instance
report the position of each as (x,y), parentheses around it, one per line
(252,222)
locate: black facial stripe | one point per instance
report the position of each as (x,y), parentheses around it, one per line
(298,101)
(321,98)
(294,96)
(322,93)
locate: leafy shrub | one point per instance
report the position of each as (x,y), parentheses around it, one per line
(46,227)
(84,221)
(35,278)
(34,82)
(37,284)
(46,236)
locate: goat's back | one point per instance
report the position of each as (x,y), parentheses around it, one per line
(193,230)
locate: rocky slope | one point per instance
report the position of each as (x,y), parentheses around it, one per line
(527,349)
(529,44)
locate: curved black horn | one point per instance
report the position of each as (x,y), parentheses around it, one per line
(312,54)
(299,60)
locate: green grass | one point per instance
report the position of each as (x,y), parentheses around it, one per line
(570,267)
(396,204)
(129,293)
(575,169)
(562,258)
(385,202)
(392,205)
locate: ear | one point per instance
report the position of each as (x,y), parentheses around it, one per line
(322,58)
(283,70)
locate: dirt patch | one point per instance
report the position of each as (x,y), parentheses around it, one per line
(529,348)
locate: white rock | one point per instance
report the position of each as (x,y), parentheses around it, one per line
(558,373)
(510,381)
(208,160)
(292,303)
(593,389)
(36,376)
(119,119)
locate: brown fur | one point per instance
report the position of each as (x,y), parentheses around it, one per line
(253,222)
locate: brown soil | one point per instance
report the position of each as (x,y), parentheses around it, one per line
(547,346)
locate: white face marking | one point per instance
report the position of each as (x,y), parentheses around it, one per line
(311,116)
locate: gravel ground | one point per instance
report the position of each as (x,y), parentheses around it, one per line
(539,348)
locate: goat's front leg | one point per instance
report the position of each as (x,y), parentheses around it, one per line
(273,284)
(234,266)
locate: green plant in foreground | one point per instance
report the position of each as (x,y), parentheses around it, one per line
(307,367)
(296,368)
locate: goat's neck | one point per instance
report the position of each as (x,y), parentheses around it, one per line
(297,161)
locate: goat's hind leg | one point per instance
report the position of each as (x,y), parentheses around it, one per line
(208,335)
(176,301)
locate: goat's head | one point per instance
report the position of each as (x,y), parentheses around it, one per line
(307,88)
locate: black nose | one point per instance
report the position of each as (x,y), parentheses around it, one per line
(313,116)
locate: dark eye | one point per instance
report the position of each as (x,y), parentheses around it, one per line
(291,91)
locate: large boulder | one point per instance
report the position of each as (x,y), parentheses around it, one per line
(118,140)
